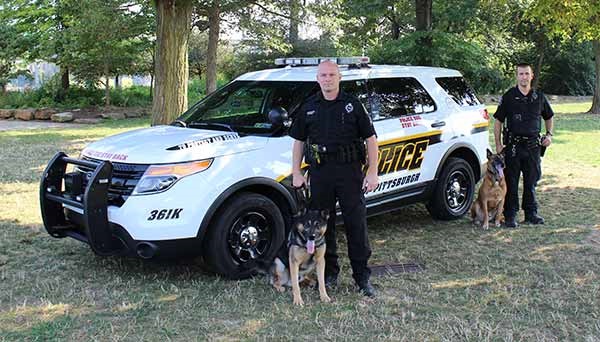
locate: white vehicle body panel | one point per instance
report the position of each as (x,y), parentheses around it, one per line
(238,158)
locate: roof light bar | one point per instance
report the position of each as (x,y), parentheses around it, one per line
(317,60)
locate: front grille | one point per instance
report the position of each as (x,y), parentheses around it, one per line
(124,179)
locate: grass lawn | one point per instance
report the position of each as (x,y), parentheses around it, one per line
(531,283)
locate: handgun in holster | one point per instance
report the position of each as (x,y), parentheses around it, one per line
(542,147)
(312,153)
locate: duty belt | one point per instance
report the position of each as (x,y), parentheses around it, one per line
(531,142)
(316,154)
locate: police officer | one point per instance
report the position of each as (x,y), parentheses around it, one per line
(522,108)
(330,130)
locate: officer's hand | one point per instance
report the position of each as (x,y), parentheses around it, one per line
(298,180)
(546,141)
(370,182)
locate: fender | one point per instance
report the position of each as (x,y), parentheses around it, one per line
(249,182)
(471,148)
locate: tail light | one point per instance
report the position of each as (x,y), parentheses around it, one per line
(484,113)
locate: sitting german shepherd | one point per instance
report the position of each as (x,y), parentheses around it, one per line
(306,252)
(489,205)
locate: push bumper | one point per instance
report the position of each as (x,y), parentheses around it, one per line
(81,212)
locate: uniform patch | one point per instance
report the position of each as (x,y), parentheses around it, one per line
(349,108)
(310,112)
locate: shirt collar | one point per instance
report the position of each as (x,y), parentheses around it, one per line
(520,94)
(339,97)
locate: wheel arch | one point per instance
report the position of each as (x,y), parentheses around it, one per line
(464,151)
(260,185)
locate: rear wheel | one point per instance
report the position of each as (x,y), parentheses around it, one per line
(453,193)
(247,230)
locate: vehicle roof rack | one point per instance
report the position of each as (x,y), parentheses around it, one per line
(352,62)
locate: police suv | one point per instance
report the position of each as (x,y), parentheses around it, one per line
(217,181)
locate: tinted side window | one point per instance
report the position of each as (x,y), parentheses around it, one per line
(394,97)
(459,90)
(358,89)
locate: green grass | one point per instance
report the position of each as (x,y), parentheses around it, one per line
(532,283)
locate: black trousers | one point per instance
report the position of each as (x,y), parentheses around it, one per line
(526,160)
(343,181)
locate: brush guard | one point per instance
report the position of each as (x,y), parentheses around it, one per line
(90,201)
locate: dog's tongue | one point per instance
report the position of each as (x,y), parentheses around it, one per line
(500,171)
(310,246)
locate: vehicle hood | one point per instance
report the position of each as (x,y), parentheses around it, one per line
(170,144)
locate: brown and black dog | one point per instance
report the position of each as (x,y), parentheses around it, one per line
(489,205)
(306,253)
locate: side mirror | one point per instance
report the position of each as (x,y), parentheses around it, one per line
(278,116)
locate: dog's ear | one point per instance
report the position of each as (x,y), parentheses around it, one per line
(325,214)
(489,153)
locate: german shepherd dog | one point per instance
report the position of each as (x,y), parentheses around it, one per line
(306,252)
(489,205)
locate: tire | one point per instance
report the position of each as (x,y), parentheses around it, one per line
(453,192)
(245,233)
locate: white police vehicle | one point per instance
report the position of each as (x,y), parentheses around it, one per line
(217,181)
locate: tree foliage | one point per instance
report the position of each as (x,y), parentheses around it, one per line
(12,48)
(573,19)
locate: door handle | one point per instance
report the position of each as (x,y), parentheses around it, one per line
(438,124)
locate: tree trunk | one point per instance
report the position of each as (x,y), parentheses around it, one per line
(596,101)
(64,78)
(395,29)
(423,9)
(107,88)
(117,83)
(538,68)
(423,12)
(171,62)
(213,42)
(294,22)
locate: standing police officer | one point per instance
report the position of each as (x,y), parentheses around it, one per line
(330,130)
(522,108)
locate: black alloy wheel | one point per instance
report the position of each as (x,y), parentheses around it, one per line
(453,193)
(246,231)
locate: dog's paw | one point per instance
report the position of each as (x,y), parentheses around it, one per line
(298,301)
(485,226)
(325,299)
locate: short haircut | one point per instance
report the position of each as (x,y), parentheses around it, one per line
(524,65)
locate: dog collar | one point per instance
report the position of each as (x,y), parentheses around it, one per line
(297,239)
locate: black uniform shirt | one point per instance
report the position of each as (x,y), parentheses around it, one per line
(523,112)
(332,123)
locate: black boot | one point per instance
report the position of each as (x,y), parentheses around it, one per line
(510,222)
(533,218)
(366,288)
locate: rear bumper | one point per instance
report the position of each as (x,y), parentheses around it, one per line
(82,214)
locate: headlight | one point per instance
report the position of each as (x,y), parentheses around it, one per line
(159,178)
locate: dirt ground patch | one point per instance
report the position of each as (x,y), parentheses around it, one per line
(594,237)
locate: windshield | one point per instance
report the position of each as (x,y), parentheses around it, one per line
(243,106)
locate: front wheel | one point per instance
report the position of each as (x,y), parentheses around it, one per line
(453,193)
(247,230)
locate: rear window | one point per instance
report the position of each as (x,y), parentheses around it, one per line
(459,90)
(395,97)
